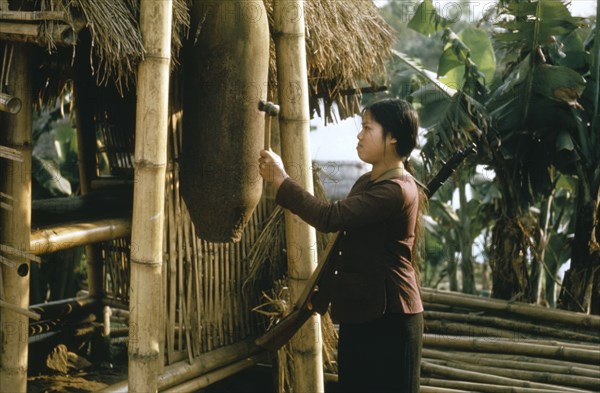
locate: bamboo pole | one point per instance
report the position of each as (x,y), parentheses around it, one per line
(16,225)
(575,381)
(518,326)
(479,387)
(472,376)
(429,389)
(180,372)
(523,309)
(509,346)
(149,190)
(495,360)
(68,236)
(83,91)
(301,240)
(215,376)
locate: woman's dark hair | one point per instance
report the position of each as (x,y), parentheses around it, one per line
(398,118)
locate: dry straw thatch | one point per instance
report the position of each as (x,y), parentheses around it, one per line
(347,43)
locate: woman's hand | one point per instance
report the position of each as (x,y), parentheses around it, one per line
(271,168)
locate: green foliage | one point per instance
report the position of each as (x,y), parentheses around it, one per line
(427,20)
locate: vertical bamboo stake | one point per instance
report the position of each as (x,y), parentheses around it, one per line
(294,117)
(149,190)
(15,226)
(86,150)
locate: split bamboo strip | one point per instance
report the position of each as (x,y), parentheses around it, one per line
(16,224)
(509,346)
(199,292)
(16,252)
(575,381)
(523,309)
(472,376)
(510,324)
(210,264)
(228,290)
(149,190)
(9,263)
(479,387)
(177,373)
(290,46)
(172,233)
(10,154)
(68,236)
(179,253)
(19,310)
(494,360)
(189,284)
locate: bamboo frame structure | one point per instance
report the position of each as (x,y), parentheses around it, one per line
(301,240)
(16,226)
(156,19)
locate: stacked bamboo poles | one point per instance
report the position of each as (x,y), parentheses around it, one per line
(489,345)
(16,225)
(290,47)
(148,204)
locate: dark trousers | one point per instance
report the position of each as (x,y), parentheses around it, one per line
(383,355)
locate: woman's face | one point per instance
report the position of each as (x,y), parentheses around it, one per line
(372,146)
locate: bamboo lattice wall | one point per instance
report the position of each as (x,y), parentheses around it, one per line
(206,304)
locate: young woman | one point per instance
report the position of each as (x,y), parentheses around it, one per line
(374,285)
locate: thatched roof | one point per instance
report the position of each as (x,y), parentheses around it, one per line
(347,42)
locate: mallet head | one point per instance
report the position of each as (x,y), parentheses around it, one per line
(268,107)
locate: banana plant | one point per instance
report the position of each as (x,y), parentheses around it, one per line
(526,119)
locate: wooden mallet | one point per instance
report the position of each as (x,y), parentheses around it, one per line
(271,110)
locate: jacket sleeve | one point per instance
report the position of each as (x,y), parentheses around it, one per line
(376,204)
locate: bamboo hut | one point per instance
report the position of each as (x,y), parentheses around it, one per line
(93,52)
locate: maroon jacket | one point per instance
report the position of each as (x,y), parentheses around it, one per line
(372,272)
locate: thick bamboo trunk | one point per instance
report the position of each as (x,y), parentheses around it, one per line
(149,188)
(301,239)
(15,225)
